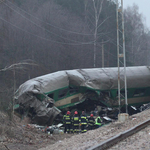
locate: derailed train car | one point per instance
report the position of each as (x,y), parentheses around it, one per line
(43,97)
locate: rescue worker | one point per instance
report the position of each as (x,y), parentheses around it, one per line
(75,122)
(91,122)
(98,122)
(67,122)
(84,122)
(64,122)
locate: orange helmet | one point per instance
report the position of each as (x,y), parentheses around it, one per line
(91,115)
(68,112)
(75,112)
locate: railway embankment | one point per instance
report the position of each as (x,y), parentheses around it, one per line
(139,140)
(94,137)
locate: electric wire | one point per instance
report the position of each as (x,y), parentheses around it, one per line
(114,57)
(49,23)
(43,37)
(42,27)
(55,25)
(48,30)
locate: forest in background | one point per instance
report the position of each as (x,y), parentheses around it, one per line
(40,36)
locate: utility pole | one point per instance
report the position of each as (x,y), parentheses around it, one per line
(118,55)
(124,53)
(121,55)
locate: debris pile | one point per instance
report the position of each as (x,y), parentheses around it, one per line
(94,137)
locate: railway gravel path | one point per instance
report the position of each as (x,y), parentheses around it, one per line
(94,137)
(138,141)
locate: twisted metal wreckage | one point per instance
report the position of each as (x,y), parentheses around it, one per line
(42,98)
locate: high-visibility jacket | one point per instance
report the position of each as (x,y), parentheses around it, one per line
(91,121)
(75,120)
(84,120)
(98,121)
(67,119)
(64,119)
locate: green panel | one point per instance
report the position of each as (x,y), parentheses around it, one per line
(130,92)
(40,96)
(113,94)
(57,92)
(147,92)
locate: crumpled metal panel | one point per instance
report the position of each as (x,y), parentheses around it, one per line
(96,78)
(37,110)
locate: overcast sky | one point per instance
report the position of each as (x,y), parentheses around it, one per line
(144,8)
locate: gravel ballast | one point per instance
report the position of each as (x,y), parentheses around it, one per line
(94,137)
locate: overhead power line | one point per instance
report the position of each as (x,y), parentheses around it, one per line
(79,33)
(42,27)
(86,43)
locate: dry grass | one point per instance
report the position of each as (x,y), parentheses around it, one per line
(5,125)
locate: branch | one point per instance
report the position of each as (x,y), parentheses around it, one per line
(19,65)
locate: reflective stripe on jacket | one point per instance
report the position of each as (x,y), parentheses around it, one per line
(83,120)
(67,119)
(91,121)
(75,120)
(64,119)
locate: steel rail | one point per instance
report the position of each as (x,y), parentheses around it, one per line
(110,142)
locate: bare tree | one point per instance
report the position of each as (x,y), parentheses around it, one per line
(136,36)
(14,67)
(98,10)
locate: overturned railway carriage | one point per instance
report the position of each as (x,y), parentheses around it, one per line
(46,95)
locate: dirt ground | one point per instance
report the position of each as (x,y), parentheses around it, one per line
(18,135)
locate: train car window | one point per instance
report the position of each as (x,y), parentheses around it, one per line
(139,92)
(63,93)
(49,105)
(51,95)
(105,94)
(73,90)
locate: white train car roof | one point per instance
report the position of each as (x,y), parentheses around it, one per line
(95,78)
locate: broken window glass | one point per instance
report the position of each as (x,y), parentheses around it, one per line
(51,95)
(105,94)
(73,90)
(49,105)
(63,93)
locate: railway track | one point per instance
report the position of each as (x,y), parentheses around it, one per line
(110,142)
